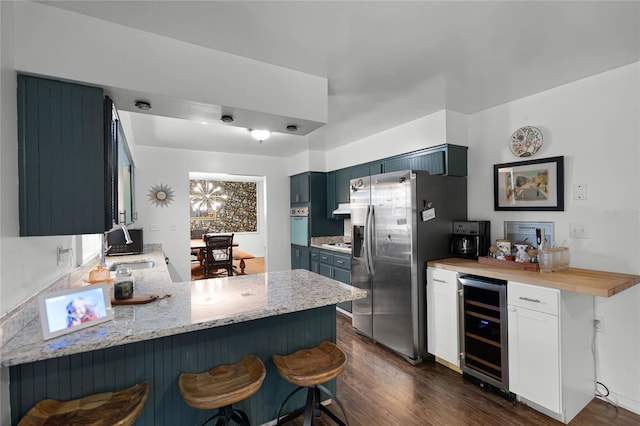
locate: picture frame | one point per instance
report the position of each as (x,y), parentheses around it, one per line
(533,185)
(74,309)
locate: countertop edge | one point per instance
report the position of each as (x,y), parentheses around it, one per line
(156,280)
(584,281)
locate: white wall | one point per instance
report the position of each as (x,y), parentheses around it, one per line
(49,39)
(424,132)
(171,167)
(594,124)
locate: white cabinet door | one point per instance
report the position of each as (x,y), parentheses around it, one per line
(442,315)
(534,356)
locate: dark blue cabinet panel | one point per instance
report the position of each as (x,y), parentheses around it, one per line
(160,362)
(64,175)
(300,257)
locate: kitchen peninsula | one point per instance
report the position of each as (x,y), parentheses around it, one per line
(197,326)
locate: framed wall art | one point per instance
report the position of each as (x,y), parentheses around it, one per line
(534,185)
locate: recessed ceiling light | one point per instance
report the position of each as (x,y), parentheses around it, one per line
(143,105)
(292,127)
(226,119)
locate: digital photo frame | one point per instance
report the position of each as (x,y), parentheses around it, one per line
(66,311)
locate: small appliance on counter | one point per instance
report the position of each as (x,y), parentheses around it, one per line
(470,239)
(119,247)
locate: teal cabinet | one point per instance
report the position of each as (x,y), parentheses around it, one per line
(300,257)
(375,167)
(315,193)
(337,266)
(65,162)
(300,188)
(343,178)
(447,159)
(397,164)
(314,256)
(339,185)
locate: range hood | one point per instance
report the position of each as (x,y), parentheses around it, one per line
(343,208)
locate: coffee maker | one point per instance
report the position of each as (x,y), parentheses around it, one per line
(470,239)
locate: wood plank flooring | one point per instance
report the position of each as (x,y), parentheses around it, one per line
(252,266)
(380,388)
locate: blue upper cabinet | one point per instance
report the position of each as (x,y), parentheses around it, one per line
(300,191)
(65,164)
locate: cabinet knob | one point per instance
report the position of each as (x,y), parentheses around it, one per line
(511,308)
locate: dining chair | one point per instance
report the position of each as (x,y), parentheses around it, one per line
(197,254)
(218,253)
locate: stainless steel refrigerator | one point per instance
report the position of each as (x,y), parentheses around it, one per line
(400,221)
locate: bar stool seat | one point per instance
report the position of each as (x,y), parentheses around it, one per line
(120,408)
(310,369)
(222,386)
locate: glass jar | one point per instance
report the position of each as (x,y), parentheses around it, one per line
(557,259)
(564,258)
(123,284)
(545,260)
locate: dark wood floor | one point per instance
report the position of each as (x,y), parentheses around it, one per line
(380,388)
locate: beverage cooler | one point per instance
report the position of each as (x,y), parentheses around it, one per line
(483,333)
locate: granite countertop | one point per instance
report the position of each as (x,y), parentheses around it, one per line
(325,243)
(191,306)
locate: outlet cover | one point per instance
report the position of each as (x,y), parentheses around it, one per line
(579,191)
(578,230)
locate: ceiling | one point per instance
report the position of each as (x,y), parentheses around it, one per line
(387,62)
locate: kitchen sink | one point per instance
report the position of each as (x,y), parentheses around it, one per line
(137,264)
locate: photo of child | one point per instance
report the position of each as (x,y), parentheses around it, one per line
(73,309)
(81,310)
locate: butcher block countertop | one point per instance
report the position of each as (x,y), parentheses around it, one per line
(585,281)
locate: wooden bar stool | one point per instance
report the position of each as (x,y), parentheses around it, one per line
(120,408)
(223,386)
(310,368)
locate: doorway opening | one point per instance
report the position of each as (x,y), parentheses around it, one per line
(224,204)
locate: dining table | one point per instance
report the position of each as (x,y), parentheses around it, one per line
(199,243)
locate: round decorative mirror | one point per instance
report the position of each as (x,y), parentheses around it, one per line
(160,195)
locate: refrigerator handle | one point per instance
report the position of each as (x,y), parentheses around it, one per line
(370,243)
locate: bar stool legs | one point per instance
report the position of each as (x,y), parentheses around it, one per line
(313,406)
(310,369)
(227,414)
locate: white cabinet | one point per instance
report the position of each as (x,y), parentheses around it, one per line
(550,358)
(442,315)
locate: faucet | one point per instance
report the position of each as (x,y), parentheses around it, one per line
(104,249)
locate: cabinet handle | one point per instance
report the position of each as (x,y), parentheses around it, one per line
(439,281)
(530,300)
(340,261)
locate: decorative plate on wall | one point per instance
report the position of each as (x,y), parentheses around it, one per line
(160,195)
(525,141)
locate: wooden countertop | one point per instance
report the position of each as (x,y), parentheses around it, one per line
(585,281)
